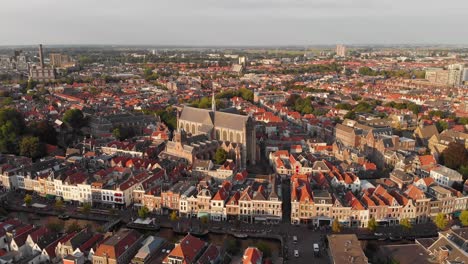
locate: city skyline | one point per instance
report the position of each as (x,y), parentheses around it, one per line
(228,23)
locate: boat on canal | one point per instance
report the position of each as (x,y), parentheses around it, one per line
(240,235)
(64,217)
(148,224)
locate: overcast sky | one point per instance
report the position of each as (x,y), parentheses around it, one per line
(233,22)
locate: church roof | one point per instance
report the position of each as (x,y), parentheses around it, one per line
(207,118)
(197,115)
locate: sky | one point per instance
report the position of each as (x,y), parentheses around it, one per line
(233,22)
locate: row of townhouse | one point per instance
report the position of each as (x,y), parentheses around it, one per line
(26,243)
(248,201)
(386,205)
(115,187)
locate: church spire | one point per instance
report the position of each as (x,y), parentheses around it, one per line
(213,101)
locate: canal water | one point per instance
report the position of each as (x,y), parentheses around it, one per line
(29,218)
(166,233)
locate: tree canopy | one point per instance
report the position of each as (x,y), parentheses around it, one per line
(441,221)
(336,226)
(464,217)
(455,156)
(220,156)
(74,118)
(11,128)
(372,224)
(31,147)
(143,212)
(406,224)
(299,104)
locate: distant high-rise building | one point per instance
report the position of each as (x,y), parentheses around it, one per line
(456,72)
(60,60)
(341,50)
(437,76)
(242,60)
(465,76)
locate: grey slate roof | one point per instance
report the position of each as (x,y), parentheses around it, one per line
(208,118)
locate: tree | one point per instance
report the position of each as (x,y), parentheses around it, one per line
(143,212)
(406,224)
(463,170)
(31,147)
(372,224)
(441,126)
(350,115)
(74,227)
(464,217)
(45,131)
(441,221)
(455,156)
(28,200)
(11,128)
(204,219)
(55,226)
(173,216)
(58,205)
(264,248)
(116,133)
(220,156)
(122,133)
(74,118)
(233,246)
(31,85)
(367,71)
(336,226)
(86,208)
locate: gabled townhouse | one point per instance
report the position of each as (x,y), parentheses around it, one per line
(188,203)
(232,206)
(153,180)
(421,203)
(245,205)
(218,203)
(188,250)
(119,248)
(392,216)
(71,243)
(359,216)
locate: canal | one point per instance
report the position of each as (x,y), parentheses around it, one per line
(166,233)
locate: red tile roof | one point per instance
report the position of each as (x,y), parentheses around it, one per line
(187,249)
(252,255)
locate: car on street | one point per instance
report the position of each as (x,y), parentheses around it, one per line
(316,250)
(296,253)
(295,239)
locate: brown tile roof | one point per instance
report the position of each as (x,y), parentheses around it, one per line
(187,249)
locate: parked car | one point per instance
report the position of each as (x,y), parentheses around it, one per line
(296,253)
(316,250)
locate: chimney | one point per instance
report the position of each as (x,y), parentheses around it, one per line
(443,254)
(41,56)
